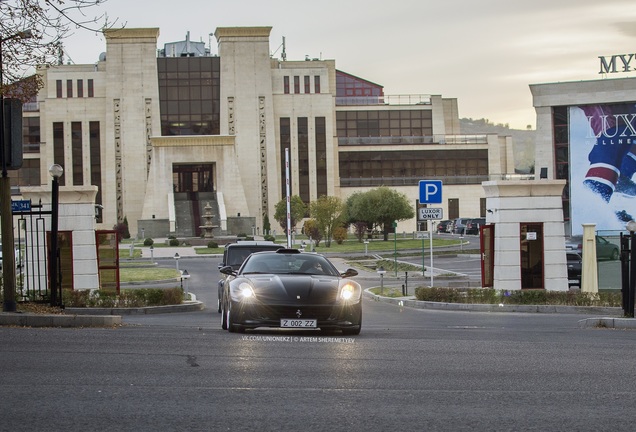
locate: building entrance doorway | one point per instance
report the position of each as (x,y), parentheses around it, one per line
(531,237)
(194,188)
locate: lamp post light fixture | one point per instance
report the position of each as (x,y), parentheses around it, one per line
(56,172)
(381,272)
(176,260)
(185,275)
(6,216)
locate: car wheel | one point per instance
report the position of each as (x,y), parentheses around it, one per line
(614,255)
(231,325)
(353,331)
(223,319)
(218,305)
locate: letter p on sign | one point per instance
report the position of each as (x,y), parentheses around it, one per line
(430,191)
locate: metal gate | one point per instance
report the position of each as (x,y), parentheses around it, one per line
(32,254)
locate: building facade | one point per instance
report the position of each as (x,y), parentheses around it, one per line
(585,135)
(162,133)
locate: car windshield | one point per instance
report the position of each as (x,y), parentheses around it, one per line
(274,263)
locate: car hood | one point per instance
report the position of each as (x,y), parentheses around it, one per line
(286,289)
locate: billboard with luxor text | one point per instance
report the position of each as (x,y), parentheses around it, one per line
(602,165)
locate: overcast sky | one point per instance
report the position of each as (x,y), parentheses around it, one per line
(484,53)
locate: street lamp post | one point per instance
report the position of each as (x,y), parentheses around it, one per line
(381,272)
(6,215)
(176,260)
(56,172)
(185,275)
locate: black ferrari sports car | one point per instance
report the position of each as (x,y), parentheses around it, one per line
(290,289)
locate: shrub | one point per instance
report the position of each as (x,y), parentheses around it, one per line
(173,242)
(122,231)
(269,237)
(170,237)
(127,298)
(340,234)
(517,297)
(149,242)
(213,245)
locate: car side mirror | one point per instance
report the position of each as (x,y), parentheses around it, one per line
(349,273)
(227,270)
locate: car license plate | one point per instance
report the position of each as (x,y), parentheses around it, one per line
(298,323)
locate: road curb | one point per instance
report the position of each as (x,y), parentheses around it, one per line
(555,309)
(90,317)
(57,320)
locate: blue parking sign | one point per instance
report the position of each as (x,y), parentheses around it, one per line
(430,191)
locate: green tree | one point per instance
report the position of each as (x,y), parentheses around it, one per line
(328,213)
(267,227)
(312,231)
(356,214)
(298,209)
(379,207)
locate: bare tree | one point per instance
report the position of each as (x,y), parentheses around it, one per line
(31,33)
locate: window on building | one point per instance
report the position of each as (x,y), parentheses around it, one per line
(286,84)
(307,84)
(285,143)
(399,123)
(91,91)
(58,88)
(28,174)
(58,147)
(321,157)
(373,168)
(317,84)
(96,162)
(76,153)
(80,88)
(31,134)
(189,95)
(303,160)
(296,84)
(69,88)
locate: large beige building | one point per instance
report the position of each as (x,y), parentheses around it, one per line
(163,132)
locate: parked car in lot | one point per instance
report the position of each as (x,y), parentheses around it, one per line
(575,265)
(459,225)
(236,253)
(292,290)
(604,248)
(442,226)
(472,226)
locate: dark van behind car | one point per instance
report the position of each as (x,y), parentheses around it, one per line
(236,253)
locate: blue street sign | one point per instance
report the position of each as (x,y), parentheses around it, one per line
(430,191)
(21,205)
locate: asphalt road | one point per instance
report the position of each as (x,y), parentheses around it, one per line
(408,370)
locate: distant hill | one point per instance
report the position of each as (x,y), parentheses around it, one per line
(523,140)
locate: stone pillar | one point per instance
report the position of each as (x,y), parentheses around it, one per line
(589,275)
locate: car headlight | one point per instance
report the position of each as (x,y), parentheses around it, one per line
(347,292)
(245,291)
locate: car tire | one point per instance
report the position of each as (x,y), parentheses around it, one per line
(223,318)
(614,255)
(354,331)
(231,325)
